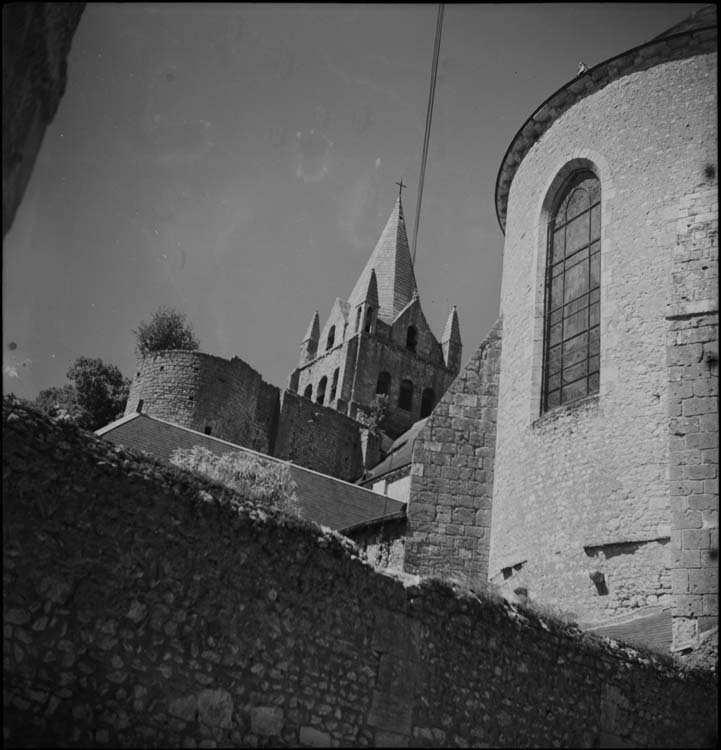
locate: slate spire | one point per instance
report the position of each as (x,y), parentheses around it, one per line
(391,260)
(309,345)
(451,342)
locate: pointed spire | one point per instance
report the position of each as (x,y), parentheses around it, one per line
(313,332)
(391,260)
(371,296)
(309,345)
(451,342)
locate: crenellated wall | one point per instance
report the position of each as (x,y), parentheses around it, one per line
(144,607)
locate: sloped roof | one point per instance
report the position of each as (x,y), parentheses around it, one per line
(649,629)
(452,331)
(323,499)
(399,455)
(391,260)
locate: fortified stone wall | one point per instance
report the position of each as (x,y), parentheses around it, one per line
(449,513)
(692,358)
(144,607)
(319,438)
(594,475)
(205,392)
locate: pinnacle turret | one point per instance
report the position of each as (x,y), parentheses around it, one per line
(309,345)
(451,342)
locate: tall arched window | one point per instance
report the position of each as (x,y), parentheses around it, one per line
(384,383)
(331,338)
(405,395)
(308,392)
(428,401)
(412,338)
(573,293)
(334,384)
(320,393)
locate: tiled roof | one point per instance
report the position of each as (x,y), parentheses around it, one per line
(399,455)
(649,629)
(323,499)
(391,260)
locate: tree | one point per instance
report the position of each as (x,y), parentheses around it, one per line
(268,482)
(166,329)
(95,396)
(378,413)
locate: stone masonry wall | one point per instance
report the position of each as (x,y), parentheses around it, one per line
(692,357)
(318,438)
(144,607)
(201,391)
(594,474)
(449,512)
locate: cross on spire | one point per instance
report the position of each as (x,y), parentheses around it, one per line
(400,187)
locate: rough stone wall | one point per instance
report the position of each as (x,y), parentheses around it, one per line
(383,545)
(595,473)
(202,391)
(143,607)
(36,43)
(692,357)
(342,357)
(449,511)
(319,438)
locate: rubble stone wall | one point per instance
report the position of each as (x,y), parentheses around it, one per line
(144,607)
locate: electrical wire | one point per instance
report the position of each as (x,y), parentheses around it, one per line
(429,118)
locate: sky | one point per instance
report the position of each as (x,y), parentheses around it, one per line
(238,162)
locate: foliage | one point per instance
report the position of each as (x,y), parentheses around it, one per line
(378,413)
(269,483)
(95,396)
(166,329)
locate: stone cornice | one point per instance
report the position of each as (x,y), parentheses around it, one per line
(660,50)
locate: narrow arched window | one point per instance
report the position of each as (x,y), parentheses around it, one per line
(320,393)
(383,386)
(405,395)
(428,401)
(331,338)
(334,384)
(573,293)
(369,320)
(412,338)
(358,318)
(308,392)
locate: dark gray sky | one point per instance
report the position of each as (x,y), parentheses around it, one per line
(237,162)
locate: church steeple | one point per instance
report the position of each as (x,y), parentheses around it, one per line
(391,260)
(451,342)
(309,345)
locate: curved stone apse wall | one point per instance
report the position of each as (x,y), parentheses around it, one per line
(584,489)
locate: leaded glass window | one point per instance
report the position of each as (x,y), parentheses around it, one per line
(573,293)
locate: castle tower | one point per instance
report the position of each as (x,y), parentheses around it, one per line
(377,342)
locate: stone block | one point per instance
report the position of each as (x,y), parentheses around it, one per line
(311,737)
(215,708)
(703,580)
(266,721)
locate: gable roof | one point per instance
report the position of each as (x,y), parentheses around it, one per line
(326,500)
(399,455)
(391,260)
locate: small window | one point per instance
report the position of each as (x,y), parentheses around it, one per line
(320,394)
(331,338)
(412,338)
(405,396)
(428,401)
(369,320)
(208,429)
(384,383)
(358,318)
(139,407)
(334,384)
(308,392)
